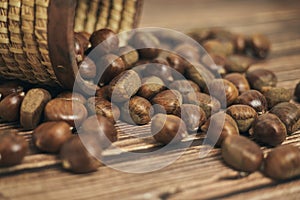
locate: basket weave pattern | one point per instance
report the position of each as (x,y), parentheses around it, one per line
(24,50)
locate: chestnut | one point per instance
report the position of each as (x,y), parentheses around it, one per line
(137,111)
(168,101)
(255,99)
(215,124)
(168,128)
(268,129)
(241,153)
(13,148)
(50,136)
(76,158)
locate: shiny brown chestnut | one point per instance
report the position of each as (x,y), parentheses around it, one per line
(244,116)
(50,136)
(239,81)
(282,163)
(146,43)
(276,95)
(10,107)
(199,74)
(81,45)
(76,158)
(100,129)
(160,68)
(241,153)
(255,99)
(177,63)
(289,114)
(224,91)
(32,107)
(193,116)
(73,96)
(268,129)
(168,101)
(137,111)
(13,148)
(209,104)
(87,68)
(151,86)
(105,40)
(103,92)
(129,56)
(168,128)
(108,67)
(72,112)
(100,106)
(218,127)
(260,78)
(124,86)
(9,87)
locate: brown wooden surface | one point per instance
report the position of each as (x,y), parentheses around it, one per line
(40,176)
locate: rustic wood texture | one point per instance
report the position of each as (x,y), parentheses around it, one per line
(41,177)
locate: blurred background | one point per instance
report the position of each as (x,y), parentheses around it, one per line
(240,15)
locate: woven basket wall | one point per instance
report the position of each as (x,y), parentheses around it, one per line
(36,36)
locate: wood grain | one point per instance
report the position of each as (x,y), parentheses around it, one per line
(41,177)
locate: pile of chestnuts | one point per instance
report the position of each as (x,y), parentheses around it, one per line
(178,93)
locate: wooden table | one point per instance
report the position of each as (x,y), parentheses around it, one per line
(41,177)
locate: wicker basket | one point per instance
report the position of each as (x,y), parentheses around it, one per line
(36,36)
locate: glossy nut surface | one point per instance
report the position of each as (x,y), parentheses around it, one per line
(160,68)
(239,80)
(13,148)
(32,107)
(108,67)
(268,129)
(72,112)
(73,96)
(192,115)
(224,91)
(167,128)
(241,153)
(137,110)
(219,122)
(99,129)
(50,136)
(255,99)
(151,86)
(76,158)
(107,38)
(168,101)
(103,107)
(289,114)
(10,107)
(9,87)
(282,163)
(87,68)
